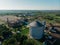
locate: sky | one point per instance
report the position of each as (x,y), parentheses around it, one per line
(29,4)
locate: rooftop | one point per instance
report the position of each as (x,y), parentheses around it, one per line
(36,24)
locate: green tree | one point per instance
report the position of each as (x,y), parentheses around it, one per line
(10,41)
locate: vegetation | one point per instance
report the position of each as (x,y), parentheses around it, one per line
(19,35)
(9,38)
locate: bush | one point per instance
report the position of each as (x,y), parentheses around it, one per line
(49,17)
(11,41)
(57,14)
(57,20)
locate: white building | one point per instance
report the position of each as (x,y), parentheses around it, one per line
(36,29)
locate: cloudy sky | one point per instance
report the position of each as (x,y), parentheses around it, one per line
(29,4)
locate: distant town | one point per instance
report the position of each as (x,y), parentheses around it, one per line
(30,27)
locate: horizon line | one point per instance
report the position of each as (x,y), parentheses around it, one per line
(26,9)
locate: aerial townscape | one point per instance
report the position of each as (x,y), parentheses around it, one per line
(29,22)
(30,27)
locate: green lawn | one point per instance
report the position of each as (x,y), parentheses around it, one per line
(25,31)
